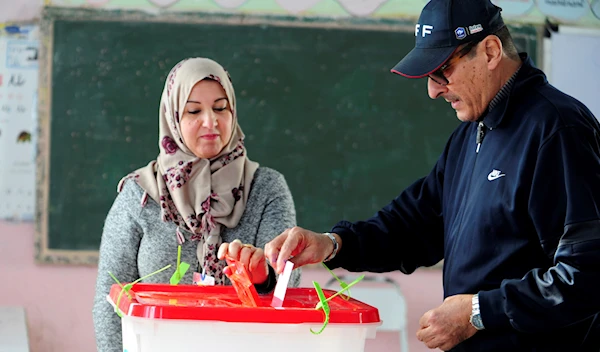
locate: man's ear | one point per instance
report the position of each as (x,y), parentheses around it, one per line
(493,51)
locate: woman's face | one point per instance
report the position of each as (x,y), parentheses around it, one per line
(207,119)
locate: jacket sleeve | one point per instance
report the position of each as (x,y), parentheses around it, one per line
(564,206)
(278,215)
(404,235)
(118,254)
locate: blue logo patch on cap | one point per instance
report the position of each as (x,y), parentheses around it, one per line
(460,33)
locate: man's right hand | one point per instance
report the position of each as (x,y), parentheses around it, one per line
(305,246)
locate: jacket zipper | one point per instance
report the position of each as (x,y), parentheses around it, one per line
(480,134)
(481,129)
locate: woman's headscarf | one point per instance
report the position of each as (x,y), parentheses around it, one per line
(199,195)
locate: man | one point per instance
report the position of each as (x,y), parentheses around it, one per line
(512,205)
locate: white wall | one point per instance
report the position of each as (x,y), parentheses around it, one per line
(572,63)
(19,10)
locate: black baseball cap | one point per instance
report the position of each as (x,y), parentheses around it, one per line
(443,26)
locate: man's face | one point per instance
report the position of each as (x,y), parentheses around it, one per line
(467,87)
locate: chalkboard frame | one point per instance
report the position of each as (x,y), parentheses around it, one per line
(50,14)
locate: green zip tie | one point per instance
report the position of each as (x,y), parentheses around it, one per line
(181,269)
(120,284)
(325,307)
(128,287)
(343,284)
(324,302)
(340,291)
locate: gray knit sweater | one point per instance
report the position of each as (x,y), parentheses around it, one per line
(135,242)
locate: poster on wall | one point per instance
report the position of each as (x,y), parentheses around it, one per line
(514,8)
(18,115)
(361,7)
(230,4)
(596,8)
(295,6)
(565,10)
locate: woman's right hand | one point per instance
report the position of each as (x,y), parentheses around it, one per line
(251,257)
(305,246)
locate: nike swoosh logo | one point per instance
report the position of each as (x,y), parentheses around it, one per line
(495,174)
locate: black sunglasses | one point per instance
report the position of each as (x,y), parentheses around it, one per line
(438,75)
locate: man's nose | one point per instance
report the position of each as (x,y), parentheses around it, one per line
(434,89)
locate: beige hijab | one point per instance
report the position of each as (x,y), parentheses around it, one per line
(199,195)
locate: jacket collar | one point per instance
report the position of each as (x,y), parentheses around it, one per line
(527,76)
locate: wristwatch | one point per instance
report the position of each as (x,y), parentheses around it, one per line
(476,313)
(336,247)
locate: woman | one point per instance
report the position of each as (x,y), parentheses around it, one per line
(202,192)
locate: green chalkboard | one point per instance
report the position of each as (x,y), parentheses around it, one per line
(316,101)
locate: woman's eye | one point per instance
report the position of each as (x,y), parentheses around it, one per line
(220,109)
(193,112)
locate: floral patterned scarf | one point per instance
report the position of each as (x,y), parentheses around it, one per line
(199,195)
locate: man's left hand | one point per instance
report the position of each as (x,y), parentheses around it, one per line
(447,325)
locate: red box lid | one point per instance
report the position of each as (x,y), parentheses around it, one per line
(221,303)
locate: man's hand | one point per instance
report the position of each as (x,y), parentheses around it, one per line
(305,246)
(447,325)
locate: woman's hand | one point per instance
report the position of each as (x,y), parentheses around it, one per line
(251,257)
